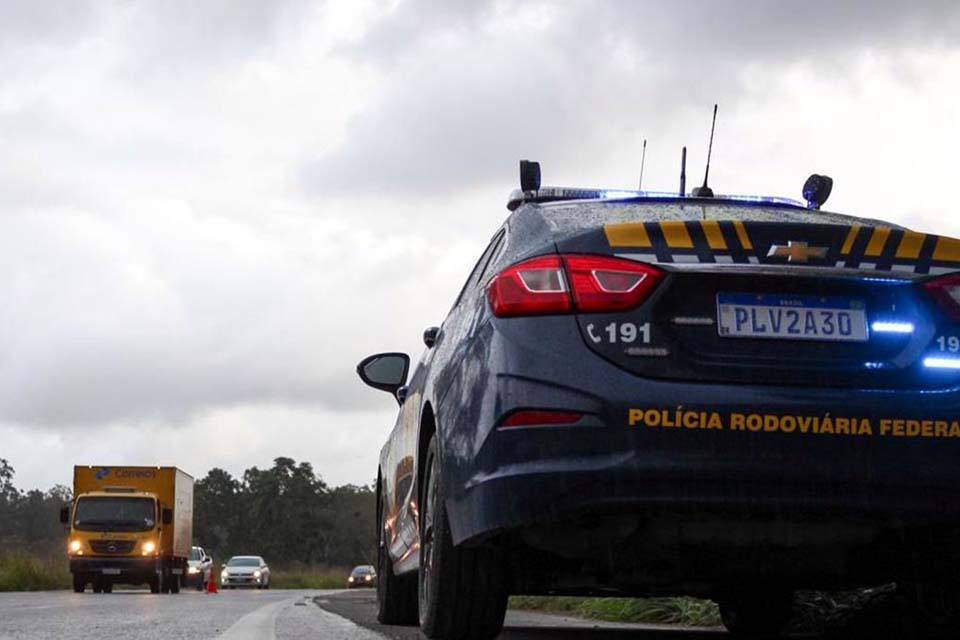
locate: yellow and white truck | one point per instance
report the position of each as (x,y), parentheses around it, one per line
(129,525)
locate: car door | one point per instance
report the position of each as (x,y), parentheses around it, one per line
(399,457)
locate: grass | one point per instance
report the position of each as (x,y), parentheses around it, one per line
(307,577)
(20,571)
(682,611)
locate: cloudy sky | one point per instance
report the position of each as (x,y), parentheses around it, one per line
(210,211)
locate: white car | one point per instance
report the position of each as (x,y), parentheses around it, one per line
(245,571)
(199,567)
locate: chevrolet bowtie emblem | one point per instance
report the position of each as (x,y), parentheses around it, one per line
(796,251)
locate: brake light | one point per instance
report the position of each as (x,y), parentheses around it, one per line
(557,284)
(529,417)
(602,283)
(532,287)
(946,291)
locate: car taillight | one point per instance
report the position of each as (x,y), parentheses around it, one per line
(946,290)
(532,287)
(558,284)
(531,417)
(602,283)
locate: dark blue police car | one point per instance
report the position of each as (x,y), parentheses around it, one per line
(641,394)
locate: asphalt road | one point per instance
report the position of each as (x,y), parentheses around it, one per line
(359,607)
(261,615)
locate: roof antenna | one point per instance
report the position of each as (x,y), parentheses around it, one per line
(643,158)
(705,191)
(683,172)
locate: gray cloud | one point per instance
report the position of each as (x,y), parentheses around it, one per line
(471,105)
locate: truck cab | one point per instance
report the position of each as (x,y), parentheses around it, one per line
(132,533)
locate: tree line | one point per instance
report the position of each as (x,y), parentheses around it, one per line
(285,513)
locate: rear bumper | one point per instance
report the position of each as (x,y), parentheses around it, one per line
(663,448)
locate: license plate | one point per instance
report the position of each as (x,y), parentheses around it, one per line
(111,572)
(781,317)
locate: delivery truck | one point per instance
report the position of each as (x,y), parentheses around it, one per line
(129,525)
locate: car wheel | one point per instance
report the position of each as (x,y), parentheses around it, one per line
(79,583)
(462,591)
(174,583)
(107,587)
(757,615)
(154,584)
(396,595)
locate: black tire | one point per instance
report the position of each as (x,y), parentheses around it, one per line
(934,607)
(79,583)
(396,595)
(107,587)
(165,581)
(97,586)
(154,584)
(761,615)
(174,583)
(462,590)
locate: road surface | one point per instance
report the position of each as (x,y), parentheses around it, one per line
(260,615)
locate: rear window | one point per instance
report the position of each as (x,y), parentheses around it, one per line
(571,217)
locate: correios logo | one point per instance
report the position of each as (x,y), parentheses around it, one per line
(103,472)
(135,473)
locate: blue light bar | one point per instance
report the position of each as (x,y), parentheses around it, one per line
(553,194)
(890,326)
(939,362)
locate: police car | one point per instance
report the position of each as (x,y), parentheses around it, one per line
(643,393)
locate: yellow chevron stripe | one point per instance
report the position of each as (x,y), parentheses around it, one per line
(947,249)
(877,241)
(742,235)
(627,234)
(676,234)
(911,244)
(851,238)
(711,229)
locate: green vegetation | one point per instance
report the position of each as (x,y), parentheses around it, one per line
(302,577)
(21,571)
(683,611)
(286,513)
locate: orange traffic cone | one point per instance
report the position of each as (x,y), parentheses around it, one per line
(212,582)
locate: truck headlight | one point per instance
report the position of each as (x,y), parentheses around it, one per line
(193,570)
(75,546)
(149,547)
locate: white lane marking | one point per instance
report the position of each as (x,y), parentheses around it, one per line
(259,624)
(342,628)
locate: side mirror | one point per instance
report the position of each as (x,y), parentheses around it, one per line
(64,515)
(166,516)
(430,336)
(384,371)
(402,394)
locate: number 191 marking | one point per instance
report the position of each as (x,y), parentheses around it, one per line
(949,343)
(623,333)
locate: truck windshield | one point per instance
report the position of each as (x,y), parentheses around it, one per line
(112,514)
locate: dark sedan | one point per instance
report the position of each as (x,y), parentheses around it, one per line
(645,394)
